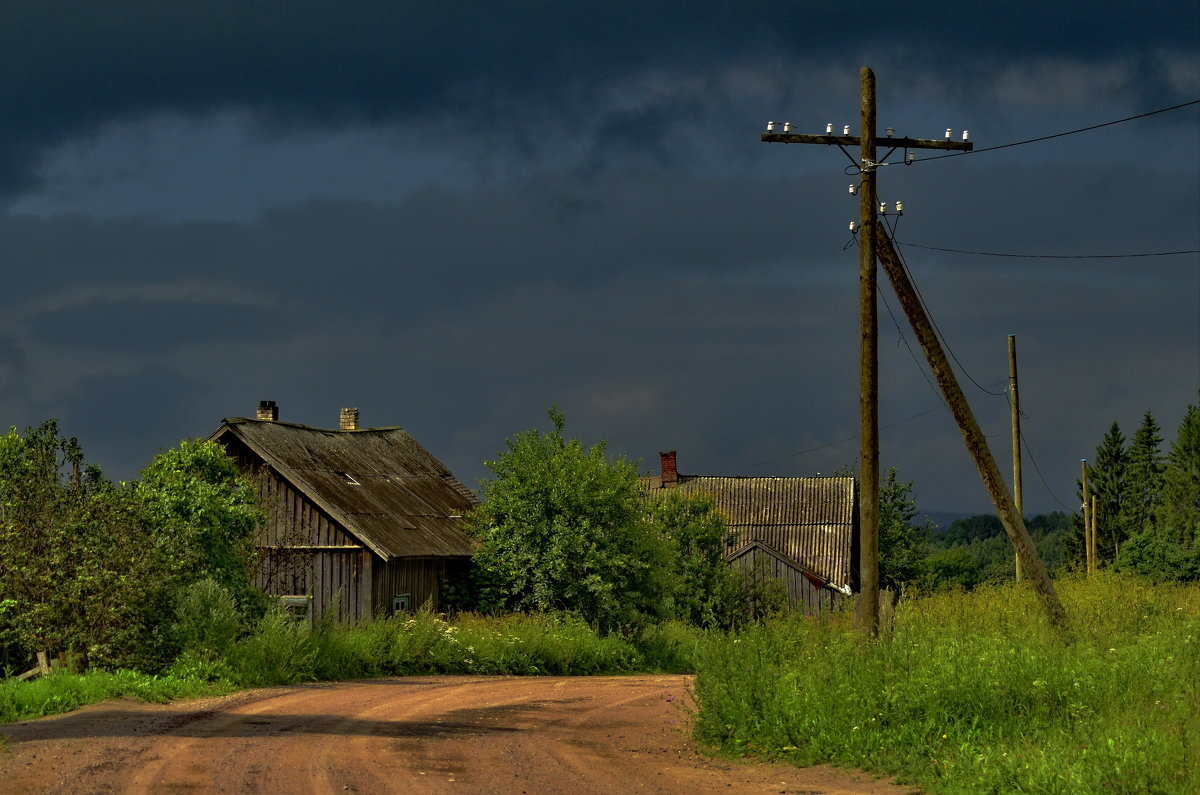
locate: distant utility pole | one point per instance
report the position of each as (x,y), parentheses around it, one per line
(1090,563)
(1015,405)
(867,164)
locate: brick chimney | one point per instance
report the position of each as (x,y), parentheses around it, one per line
(349,420)
(669,475)
(267,410)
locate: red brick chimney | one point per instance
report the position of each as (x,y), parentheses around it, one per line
(348,420)
(267,410)
(669,475)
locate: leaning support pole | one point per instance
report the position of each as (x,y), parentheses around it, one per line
(1013,522)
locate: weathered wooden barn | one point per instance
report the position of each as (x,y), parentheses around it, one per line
(365,518)
(803,531)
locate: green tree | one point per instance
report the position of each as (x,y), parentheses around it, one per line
(203,514)
(1106,482)
(708,593)
(92,568)
(951,568)
(1179,515)
(1143,477)
(73,562)
(901,540)
(562,527)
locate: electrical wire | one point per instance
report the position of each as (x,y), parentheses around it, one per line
(1047,256)
(933,323)
(904,339)
(1059,135)
(1042,477)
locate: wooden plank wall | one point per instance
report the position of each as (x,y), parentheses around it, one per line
(304,552)
(802,594)
(418,577)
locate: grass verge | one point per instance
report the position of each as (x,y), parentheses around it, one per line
(280,652)
(974,693)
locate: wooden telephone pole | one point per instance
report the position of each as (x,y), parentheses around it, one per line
(868,162)
(1015,405)
(874,242)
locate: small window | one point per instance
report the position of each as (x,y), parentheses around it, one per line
(297,609)
(401,603)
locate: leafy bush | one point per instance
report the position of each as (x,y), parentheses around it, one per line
(279,652)
(206,619)
(562,527)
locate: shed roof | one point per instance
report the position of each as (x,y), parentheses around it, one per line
(811,521)
(379,483)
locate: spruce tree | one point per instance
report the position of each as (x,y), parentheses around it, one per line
(1179,514)
(1106,482)
(1143,477)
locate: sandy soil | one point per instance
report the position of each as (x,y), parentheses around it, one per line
(420,734)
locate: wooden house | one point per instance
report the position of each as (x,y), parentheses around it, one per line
(364,518)
(801,530)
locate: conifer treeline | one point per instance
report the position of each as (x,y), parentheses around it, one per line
(1147,502)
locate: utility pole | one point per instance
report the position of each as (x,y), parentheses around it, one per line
(1087,523)
(868,346)
(1014,523)
(1095,544)
(868,162)
(1015,405)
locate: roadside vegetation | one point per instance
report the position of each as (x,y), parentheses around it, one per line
(974,692)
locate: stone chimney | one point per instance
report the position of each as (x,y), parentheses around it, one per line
(267,410)
(349,420)
(669,475)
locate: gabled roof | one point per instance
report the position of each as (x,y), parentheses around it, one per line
(815,579)
(811,521)
(378,483)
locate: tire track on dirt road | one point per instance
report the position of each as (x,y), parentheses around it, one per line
(418,734)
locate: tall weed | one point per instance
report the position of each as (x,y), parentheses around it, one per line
(974,692)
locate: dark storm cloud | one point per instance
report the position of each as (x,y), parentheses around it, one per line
(71,67)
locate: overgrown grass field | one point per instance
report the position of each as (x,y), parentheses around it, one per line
(280,652)
(974,692)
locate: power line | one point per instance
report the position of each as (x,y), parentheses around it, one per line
(904,339)
(1061,134)
(1042,477)
(1049,256)
(933,323)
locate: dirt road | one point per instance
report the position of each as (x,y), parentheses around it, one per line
(421,734)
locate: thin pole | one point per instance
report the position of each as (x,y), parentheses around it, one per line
(1095,544)
(868,367)
(1087,524)
(976,443)
(1015,405)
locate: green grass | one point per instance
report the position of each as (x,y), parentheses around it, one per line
(974,693)
(279,652)
(425,643)
(62,692)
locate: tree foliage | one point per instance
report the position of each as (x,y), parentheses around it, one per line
(91,567)
(902,540)
(708,593)
(1180,511)
(1143,477)
(563,527)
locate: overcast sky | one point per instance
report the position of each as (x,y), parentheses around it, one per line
(453,215)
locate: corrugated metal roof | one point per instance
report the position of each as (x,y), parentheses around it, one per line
(810,520)
(379,483)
